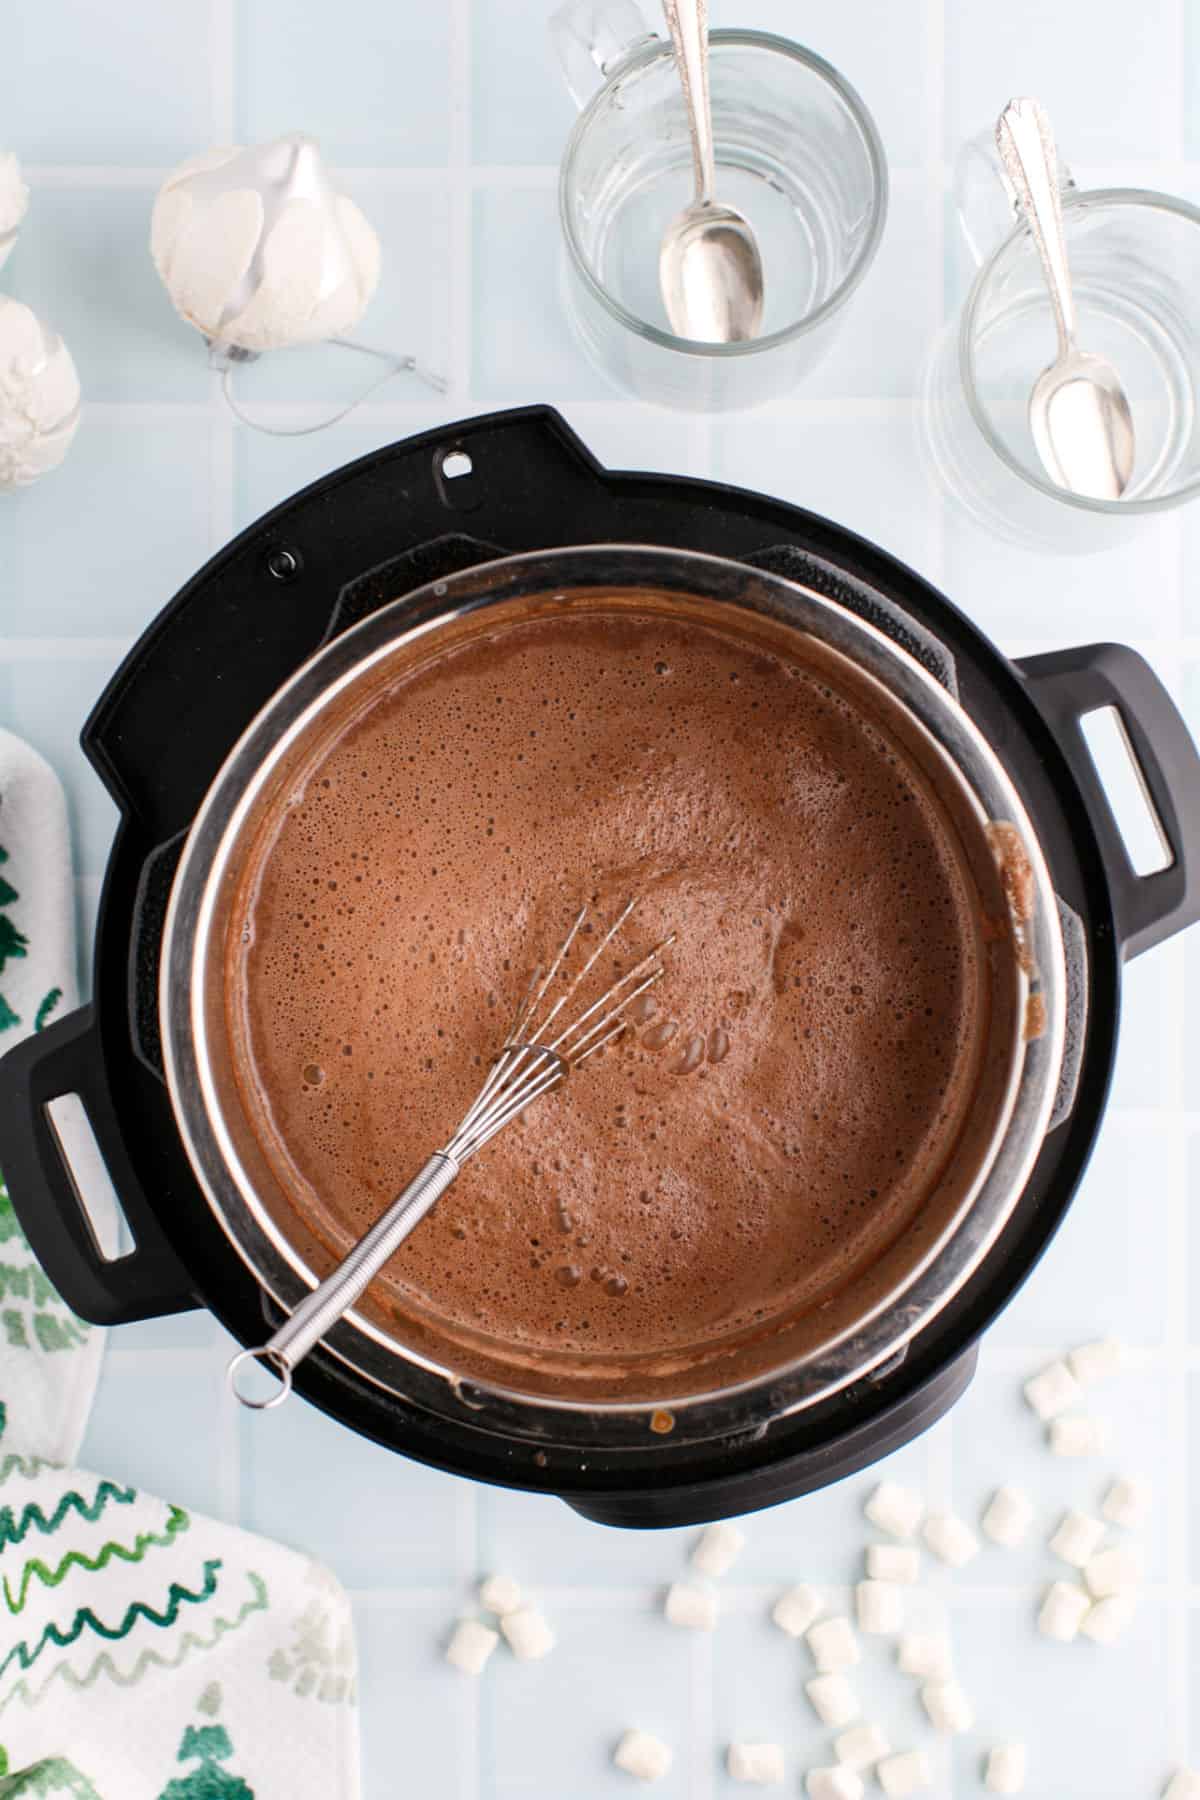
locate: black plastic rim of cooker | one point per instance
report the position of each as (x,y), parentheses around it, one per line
(363,536)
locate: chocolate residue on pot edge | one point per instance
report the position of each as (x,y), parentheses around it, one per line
(814,1047)
(1035,1017)
(1019,885)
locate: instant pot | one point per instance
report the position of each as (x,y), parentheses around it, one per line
(195,733)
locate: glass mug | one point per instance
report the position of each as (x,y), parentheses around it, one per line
(1135,263)
(796,152)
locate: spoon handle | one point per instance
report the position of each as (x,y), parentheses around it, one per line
(688,24)
(1026,145)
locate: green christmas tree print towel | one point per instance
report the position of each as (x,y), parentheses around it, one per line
(49,1360)
(146,1653)
(151,1654)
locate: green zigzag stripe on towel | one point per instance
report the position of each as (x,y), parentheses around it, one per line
(147,1659)
(14,1527)
(53,1779)
(76,1559)
(85,1620)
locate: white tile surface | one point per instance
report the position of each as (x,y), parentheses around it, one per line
(452,118)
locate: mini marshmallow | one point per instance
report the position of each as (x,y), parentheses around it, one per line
(950,1539)
(640,1754)
(471,1646)
(1063,1611)
(1006,1766)
(861,1746)
(948,1707)
(718,1550)
(833,1644)
(762,1763)
(1052,1391)
(833,1699)
(894,1509)
(1127,1501)
(795,1611)
(1112,1571)
(1078,1434)
(880,1607)
(1077,1538)
(528,1634)
(834,1784)
(905,1774)
(1183,1785)
(693,1607)
(924,1654)
(1097,1361)
(893,1562)
(1105,1622)
(500,1594)
(1008,1517)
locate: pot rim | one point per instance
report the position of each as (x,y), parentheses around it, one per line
(874,1343)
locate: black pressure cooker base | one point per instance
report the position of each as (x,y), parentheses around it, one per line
(361,537)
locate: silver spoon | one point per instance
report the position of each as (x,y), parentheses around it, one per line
(709,267)
(1078,412)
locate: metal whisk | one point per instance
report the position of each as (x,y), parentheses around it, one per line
(536,1055)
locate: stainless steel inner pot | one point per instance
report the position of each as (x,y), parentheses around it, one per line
(727,1385)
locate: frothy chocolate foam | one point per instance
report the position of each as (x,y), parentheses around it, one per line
(781,1105)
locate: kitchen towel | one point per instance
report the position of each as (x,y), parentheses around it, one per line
(146,1653)
(49,1359)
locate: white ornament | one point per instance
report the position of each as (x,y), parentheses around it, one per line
(14,203)
(39,396)
(258,250)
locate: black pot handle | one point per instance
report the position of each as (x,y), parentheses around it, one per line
(1067,685)
(144,1282)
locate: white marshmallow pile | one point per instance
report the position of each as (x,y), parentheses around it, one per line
(470,1646)
(529,1636)
(907,1773)
(895,1509)
(1077,1538)
(861,1747)
(1008,1517)
(1097,1361)
(879,1606)
(1113,1571)
(893,1562)
(833,1645)
(1006,1769)
(693,1608)
(718,1550)
(925,1655)
(833,1700)
(1078,1434)
(1105,1620)
(642,1755)
(758,1763)
(839,1783)
(1052,1391)
(1127,1501)
(948,1708)
(951,1540)
(795,1611)
(528,1633)
(499,1594)
(1063,1611)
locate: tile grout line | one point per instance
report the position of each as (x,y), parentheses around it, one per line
(702,1742)
(461,203)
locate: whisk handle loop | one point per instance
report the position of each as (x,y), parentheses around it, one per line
(338,1292)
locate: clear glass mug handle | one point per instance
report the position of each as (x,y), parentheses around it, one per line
(985,202)
(591,38)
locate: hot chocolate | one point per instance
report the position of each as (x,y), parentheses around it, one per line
(779,1109)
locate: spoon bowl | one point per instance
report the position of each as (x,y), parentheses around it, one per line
(1082,426)
(710,270)
(710,275)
